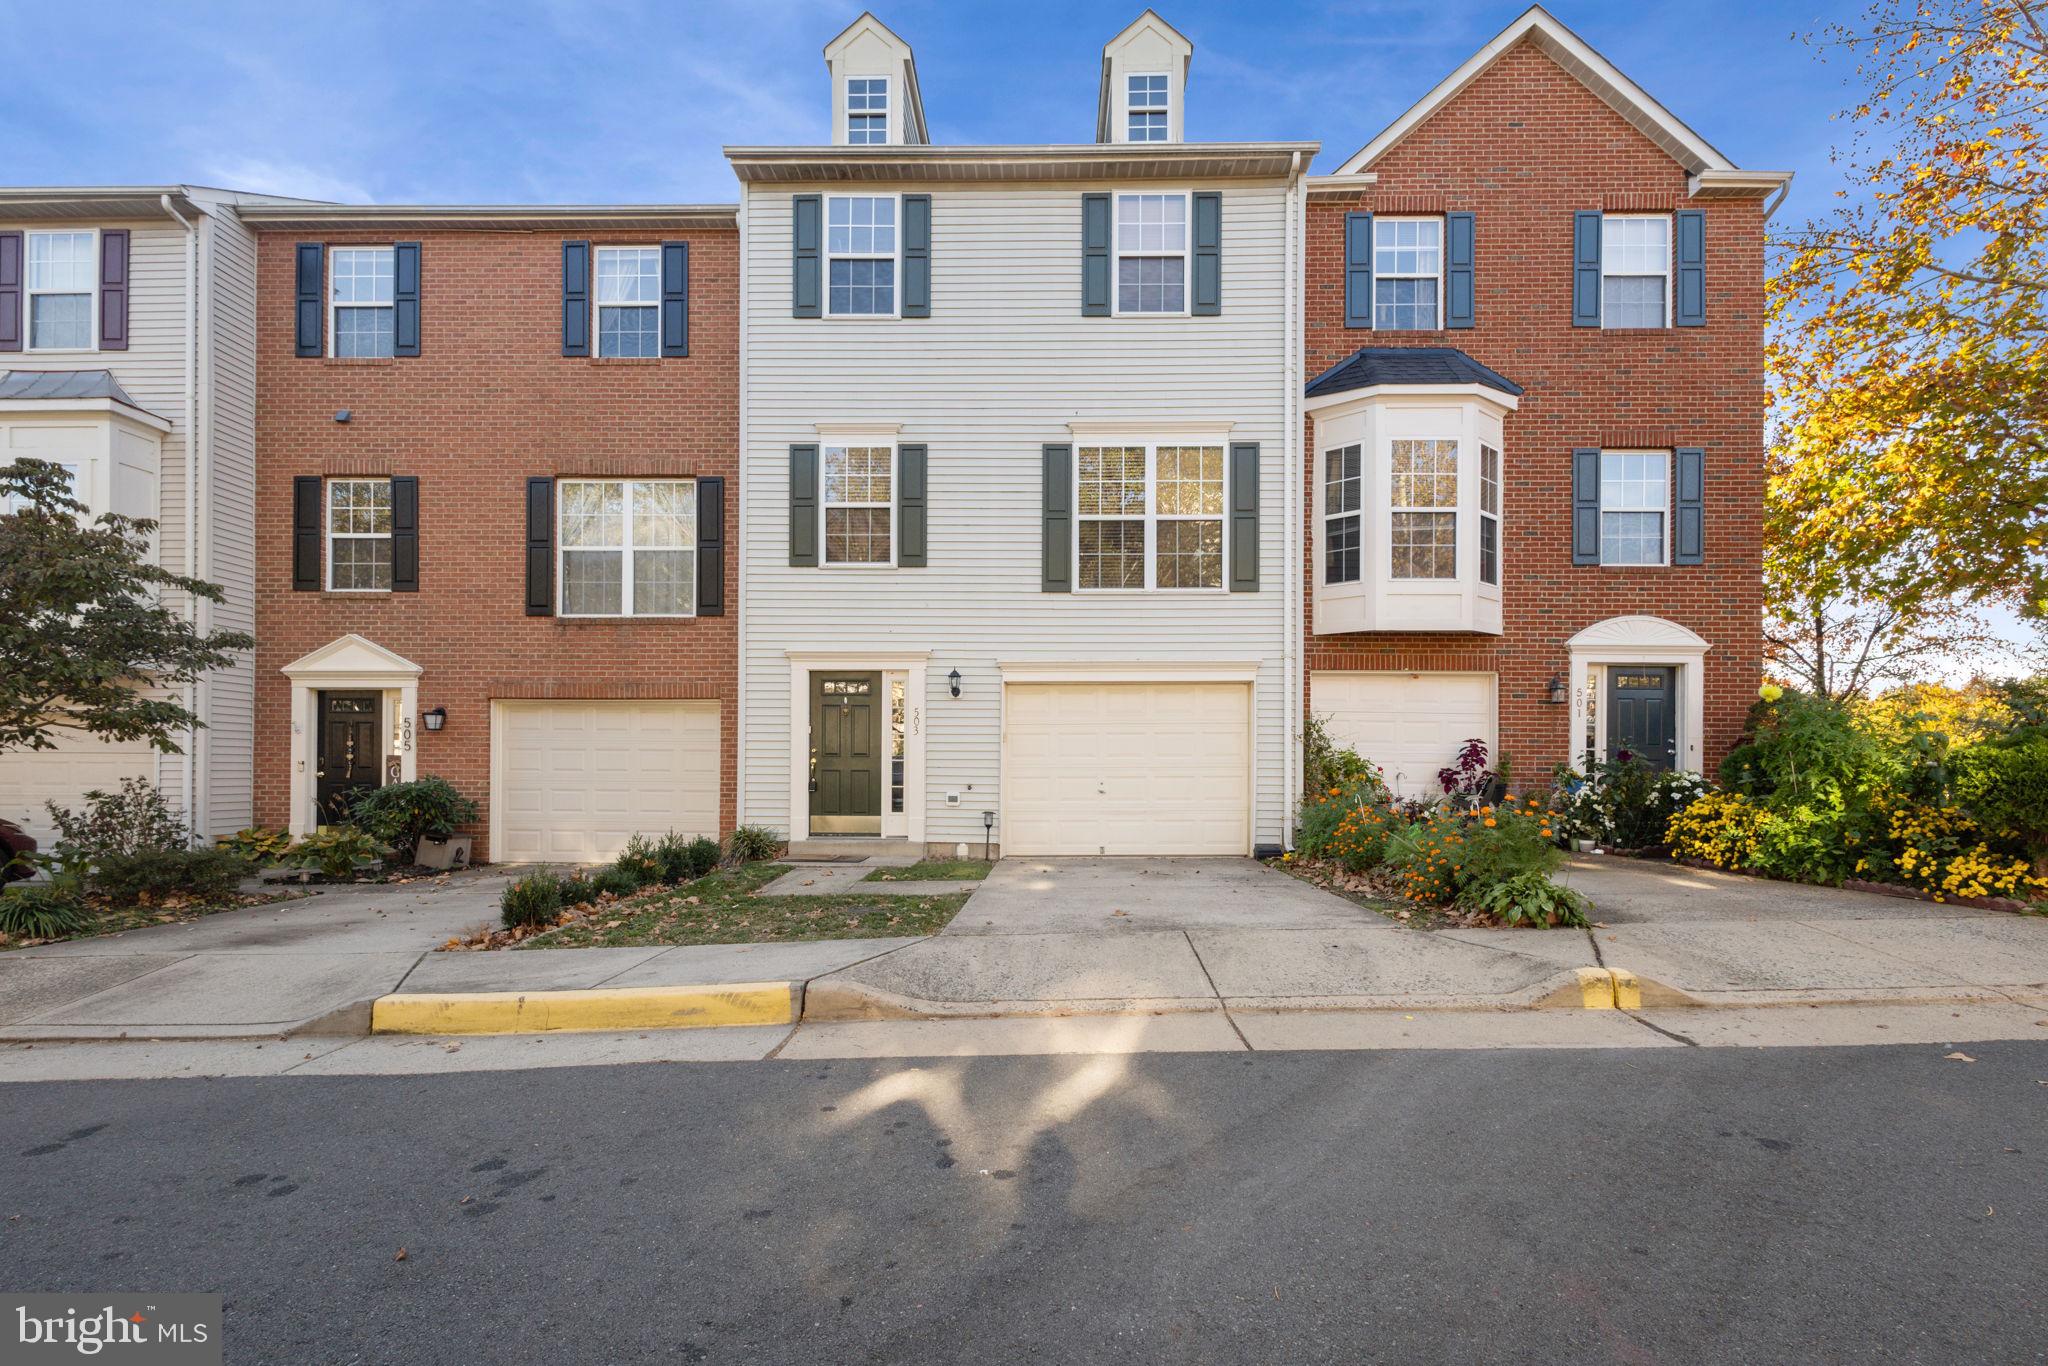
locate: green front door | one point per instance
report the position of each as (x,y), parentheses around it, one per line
(846,754)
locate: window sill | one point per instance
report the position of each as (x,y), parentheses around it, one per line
(631,360)
(585,619)
(359,362)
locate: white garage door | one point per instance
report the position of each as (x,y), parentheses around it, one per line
(78,765)
(576,780)
(1409,724)
(1126,768)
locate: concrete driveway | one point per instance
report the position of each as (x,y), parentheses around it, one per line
(1645,891)
(1090,895)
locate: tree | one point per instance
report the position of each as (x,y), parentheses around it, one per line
(87,643)
(1910,340)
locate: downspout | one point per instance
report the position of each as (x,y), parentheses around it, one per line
(190,782)
(1295,295)
(739,542)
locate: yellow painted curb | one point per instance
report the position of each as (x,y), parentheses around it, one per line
(1628,992)
(618,1008)
(1596,989)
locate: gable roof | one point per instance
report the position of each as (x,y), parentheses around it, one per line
(1150,18)
(1370,366)
(913,103)
(1578,58)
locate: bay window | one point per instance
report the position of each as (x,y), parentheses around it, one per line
(1425,510)
(1343,530)
(1489,515)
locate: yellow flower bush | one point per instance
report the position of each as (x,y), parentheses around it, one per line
(1941,850)
(1725,829)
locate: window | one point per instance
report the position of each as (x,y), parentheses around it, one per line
(1489,515)
(1635,495)
(629,301)
(895,745)
(1149,516)
(1635,271)
(61,280)
(1407,269)
(867,110)
(629,547)
(14,502)
(1152,253)
(1146,107)
(1425,503)
(859,502)
(359,535)
(360,280)
(860,249)
(1343,531)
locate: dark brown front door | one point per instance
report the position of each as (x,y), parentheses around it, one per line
(846,754)
(350,757)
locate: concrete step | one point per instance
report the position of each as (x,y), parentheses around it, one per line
(870,847)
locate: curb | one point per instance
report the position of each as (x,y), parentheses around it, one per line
(598,1008)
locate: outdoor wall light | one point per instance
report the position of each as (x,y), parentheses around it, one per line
(953,679)
(436,718)
(1555,688)
(342,415)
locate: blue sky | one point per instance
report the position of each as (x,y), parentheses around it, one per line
(587,101)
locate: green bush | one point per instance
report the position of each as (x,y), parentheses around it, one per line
(153,876)
(535,899)
(1326,764)
(685,860)
(136,818)
(1445,853)
(638,863)
(1528,899)
(577,889)
(616,880)
(1327,809)
(1622,803)
(754,843)
(403,814)
(259,846)
(41,911)
(1809,749)
(335,850)
(1800,841)
(2003,784)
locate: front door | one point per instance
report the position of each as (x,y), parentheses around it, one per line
(1642,714)
(350,759)
(846,750)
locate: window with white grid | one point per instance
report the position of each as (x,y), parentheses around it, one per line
(859,504)
(1635,270)
(360,293)
(1635,500)
(1407,273)
(1149,516)
(628,547)
(629,301)
(860,255)
(1424,500)
(359,535)
(867,110)
(1343,528)
(61,279)
(1151,253)
(1146,107)
(1489,515)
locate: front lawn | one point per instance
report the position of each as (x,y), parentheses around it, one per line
(935,870)
(723,909)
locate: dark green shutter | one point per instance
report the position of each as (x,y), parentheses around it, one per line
(806,243)
(1357,270)
(1057,575)
(1586,268)
(1095,256)
(405,298)
(910,505)
(540,547)
(711,547)
(1244,516)
(1691,301)
(1585,506)
(1206,299)
(675,298)
(803,505)
(917,256)
(311,260)
(1460,304)
(306,533)
(575,300)
(1689,544)
(405,534)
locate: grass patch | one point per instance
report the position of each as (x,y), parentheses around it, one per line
(120,919)
(723,909)
(935,870)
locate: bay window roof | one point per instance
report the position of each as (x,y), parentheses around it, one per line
(1373,366)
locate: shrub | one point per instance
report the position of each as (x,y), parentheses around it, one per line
(150,876)
(42,911)
(1439,857)
(616,880)
(1803,841)
(258,846)
(335,850)
(577,889)
(685,860)
(754,843)
(1721,828)
(1326,764)
(637,864)
(1529,899)
(2003,784)
(1468,781)
(1623,802)
(1331,808)
(1941,850)
(535,899)
(403,814)
(1809,749)
(134,819)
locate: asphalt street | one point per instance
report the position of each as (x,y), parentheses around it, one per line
(1638,1206)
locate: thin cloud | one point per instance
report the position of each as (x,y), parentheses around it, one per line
(286,178)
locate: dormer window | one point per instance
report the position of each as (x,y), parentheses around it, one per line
(867,111)
(1145,107)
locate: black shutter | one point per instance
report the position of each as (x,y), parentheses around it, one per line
(1357,270)
(405,534)
(540,547)
(1585,506)
(1057,575)
(114,289)
(803,505)
(806,240)
(711,547)
(1689,543)
(10,291)
(1459,302)
(1095,256)
(675,298)
(1244,516)
(575,301)
(405,297)
(1206,298)
(917,256)
(311,296)
(910,505)
(1586,268)
(306,533)
(1691,301)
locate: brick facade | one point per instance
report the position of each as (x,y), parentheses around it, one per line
(488,403)
(1523,147)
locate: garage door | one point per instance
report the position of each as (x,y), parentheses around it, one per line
(1409,724)
(576,780)
(1126,768)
